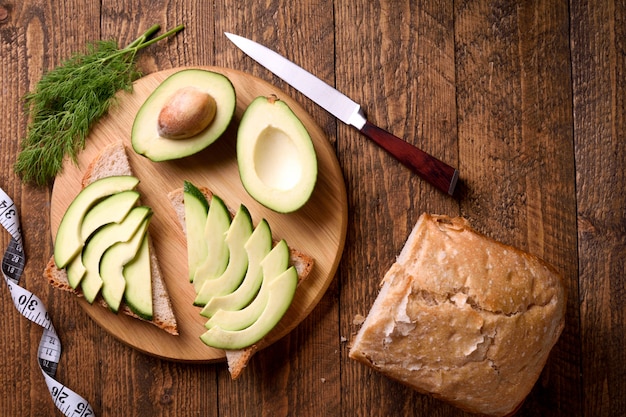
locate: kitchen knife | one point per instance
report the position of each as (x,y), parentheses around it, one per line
(438,173)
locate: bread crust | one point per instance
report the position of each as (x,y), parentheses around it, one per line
(57,278)
(463,318)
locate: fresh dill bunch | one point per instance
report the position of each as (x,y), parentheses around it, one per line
(69,99)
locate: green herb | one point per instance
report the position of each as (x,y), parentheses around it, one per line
(69,99)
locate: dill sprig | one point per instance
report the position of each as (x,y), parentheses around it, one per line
(70,98)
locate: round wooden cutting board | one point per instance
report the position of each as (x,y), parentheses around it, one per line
(318,229)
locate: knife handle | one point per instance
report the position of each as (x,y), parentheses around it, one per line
(438,173)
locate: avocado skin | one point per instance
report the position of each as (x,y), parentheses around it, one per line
(189,188)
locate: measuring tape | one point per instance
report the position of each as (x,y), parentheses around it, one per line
(31,307)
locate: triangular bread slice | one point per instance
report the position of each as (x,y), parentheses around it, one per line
(112,161)
(238,359)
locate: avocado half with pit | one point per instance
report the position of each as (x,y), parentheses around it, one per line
(275,154)
(186,113)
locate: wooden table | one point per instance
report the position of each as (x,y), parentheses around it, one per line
(527,99)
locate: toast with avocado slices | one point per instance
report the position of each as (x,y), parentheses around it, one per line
(113,161)
(302,263)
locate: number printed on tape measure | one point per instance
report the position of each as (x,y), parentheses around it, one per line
(66,400)
(49,348)
(31,307)
(13,261)
(8,216)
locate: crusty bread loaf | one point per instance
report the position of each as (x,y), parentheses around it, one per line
(463,318)
(111,161)
(238,359)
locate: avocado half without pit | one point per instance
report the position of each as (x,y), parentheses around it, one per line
(186,113)
(275,154)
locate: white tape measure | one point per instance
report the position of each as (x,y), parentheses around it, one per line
(31,307)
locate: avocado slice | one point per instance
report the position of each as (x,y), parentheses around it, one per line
(274,264)
(238,234)
(112,266)
(275,155)
(216,227)
(69,240)
(149,140)
(111,209)
(75,270)
(257,247)
(138,276)
(196,207)
(280,295)
(103,239)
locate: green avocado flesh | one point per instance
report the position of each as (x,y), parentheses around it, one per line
(75,270)
(236,237)
(257,247)
(218,254)
(138,277)
(275,154)
(280,295)
(196,208)
(251,285)
(111,209)
(274,264)
(189,188)
(145,136)
(111,233)
(69,238)
(112,266)
(102,240)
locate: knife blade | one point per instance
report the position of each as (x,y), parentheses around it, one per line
(438,173)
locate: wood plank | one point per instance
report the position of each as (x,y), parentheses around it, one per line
(516,150)
(32,48)
(598,66)
(532,90)
(398,62)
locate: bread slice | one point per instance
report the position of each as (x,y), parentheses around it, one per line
(463,318)
(112,161)
(238,359)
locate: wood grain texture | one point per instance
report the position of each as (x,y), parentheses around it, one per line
(514,99)
(526,98)
(598,67)
(403,75)
(28,47)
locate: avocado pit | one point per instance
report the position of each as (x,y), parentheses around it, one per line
(185,102)
(186,113)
